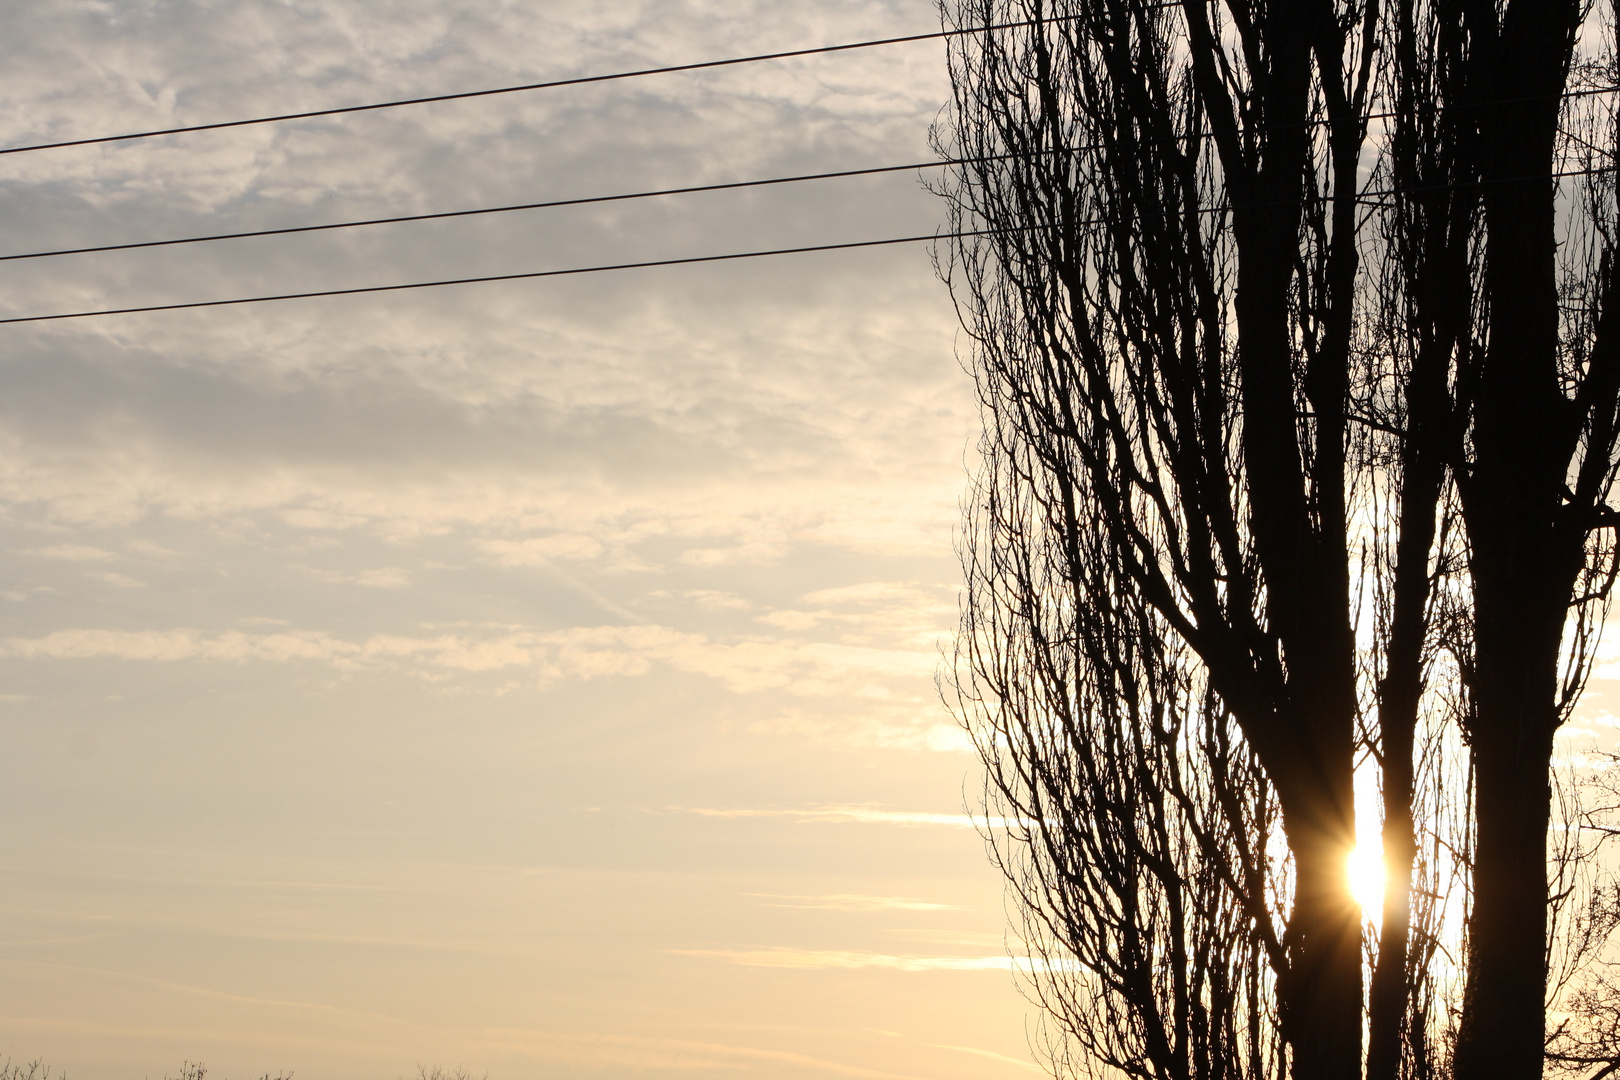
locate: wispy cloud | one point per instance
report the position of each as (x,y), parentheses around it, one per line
(993,1056)
(386,577)
(850,902)
(116,580)
(817,959)
(863,695)
(865,814)
(541,551)
(979,939)
(862,814)
(167,646)
(813,669)
(830,959)
(73,553)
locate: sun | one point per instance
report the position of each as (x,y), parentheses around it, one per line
(1366,872)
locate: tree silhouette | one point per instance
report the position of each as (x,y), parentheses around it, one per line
(1293,326)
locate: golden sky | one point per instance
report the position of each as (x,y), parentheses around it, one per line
(535,677)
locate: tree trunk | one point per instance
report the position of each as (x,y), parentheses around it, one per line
(1502,1024)
(1390,986)
(1523,564)
(1322,999)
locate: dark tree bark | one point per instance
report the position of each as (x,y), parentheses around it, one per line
(1527,530)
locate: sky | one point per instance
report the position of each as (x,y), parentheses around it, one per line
(537,677)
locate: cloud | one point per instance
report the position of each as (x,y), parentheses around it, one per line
(793,620)
(820,959)
(866,815)
(910,611)
(871,684)
(888,593)
(992,1055)
(857,814)
(850,902)
(916,722)
(838,959)
(750,554)
(175,645)
(116,580)
(540,551)
(142,546)
(971,938)
(387,577)
(74,553)
(710,599)
(747,409)
(810,669)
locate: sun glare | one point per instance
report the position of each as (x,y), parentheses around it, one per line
(1366,871)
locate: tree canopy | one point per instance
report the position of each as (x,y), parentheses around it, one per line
(1294,327)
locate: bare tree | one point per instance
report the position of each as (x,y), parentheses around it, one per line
(1137,823)
(1296,441)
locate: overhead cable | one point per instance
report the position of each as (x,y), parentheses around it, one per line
(688,261)
(551,204)
(588,200)
(667,70)
(581,80)
(685,261)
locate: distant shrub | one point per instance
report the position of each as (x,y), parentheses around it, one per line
(34,1070)
(196,1070)
(190,1070)
(425,1073)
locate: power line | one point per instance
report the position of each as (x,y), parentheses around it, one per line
(1368,195)
(588,200)
(551,204)
(667,70)
(688,261)
(549,85)
(581,80)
